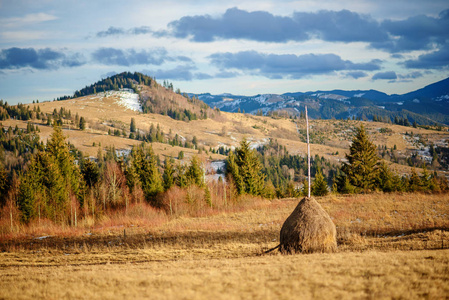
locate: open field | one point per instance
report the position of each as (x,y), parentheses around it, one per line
(390,246)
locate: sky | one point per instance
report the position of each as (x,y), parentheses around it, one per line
(51,48)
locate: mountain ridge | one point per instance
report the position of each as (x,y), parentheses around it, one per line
(425,106)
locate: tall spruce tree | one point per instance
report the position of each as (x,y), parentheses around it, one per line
(168,178)
(195,173)
(144,163)
(245,168)
(361,169)
(319,185)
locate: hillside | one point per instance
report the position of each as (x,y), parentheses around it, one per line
(426,106)
(109,115)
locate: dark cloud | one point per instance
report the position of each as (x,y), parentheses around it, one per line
(389,75)
(238,24)
(435,60)
(140,30)
(344,26)
(202,76)
(287,65)
(395,36)
(415,33)
(341,26)
(112,31)
(119,57)
(356,74)
(412,75)
(16,58)
(184,59)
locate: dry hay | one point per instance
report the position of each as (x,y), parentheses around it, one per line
(308,229)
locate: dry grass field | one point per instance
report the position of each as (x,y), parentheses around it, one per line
(389,246)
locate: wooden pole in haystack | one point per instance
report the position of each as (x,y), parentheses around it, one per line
(308,155)
(308,228)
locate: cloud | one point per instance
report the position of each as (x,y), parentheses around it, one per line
(16,58)
(182,72)
(438,59)
(287,65)
(202,76)
(112,31)
(344,26)
(226,74)
(341,26)
(389,75)
(238,24)
(27,19)
(415,33)
(356,74)
(119,57)
(412,75)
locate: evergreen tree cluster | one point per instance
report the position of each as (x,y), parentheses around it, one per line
(244,166)
(58,184)
(125,80)
(287,173)
(365,172)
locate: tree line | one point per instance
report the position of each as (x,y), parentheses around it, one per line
(56,182)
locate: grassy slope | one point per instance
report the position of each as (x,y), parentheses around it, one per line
(223,129)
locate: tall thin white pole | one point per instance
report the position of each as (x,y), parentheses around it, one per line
(308,154)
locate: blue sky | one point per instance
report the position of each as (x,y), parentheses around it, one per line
(52,48)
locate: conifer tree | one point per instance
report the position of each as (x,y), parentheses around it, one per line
(245,168)
(385,180)
(3,183)
(414,183)
(132,127)
(305,188)
(361,169)
(195,174)
(144,162)
(168,178)
(91,173)
(181,178)
(425,179)
(319,185)
(58,148)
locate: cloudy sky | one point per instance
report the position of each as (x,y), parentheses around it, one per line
(50,48)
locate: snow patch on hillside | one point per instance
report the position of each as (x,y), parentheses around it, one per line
(126,98)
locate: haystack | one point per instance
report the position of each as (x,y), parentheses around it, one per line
(308,229)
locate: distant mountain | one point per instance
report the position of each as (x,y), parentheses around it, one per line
(426,106)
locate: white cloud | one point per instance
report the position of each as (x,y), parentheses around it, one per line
(27,20)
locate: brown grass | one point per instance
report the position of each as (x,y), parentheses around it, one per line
(389,246)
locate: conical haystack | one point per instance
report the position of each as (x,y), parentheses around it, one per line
(308,229)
